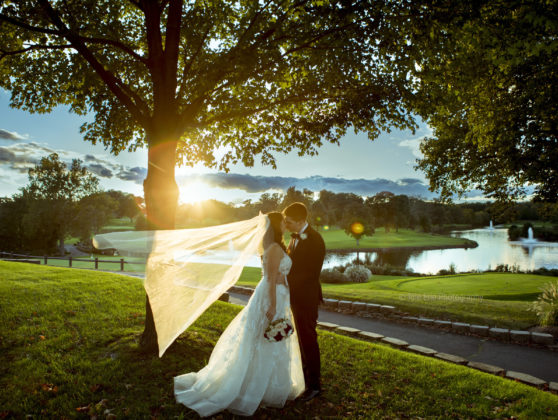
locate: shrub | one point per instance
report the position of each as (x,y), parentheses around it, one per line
(390,270)
(444,272)
(546,306)
(332,275)
(358,273)
(514,233)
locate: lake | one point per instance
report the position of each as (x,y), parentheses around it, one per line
(494,249)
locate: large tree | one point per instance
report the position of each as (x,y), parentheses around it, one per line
(487,84)
(53,192)
(92,213)
(184,79)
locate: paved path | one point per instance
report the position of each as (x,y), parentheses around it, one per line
(540,363)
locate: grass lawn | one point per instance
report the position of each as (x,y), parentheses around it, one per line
(115,225)
(505,302)
(338,239)
(68,341)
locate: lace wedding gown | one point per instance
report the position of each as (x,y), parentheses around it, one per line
(245,370)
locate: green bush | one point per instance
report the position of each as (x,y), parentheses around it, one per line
(390,270)
(451,270)
(546,306)
(332,275)
(514,233)
(358,273)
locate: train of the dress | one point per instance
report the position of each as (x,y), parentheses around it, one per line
(245,370)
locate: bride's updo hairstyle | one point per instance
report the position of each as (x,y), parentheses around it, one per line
(274,233)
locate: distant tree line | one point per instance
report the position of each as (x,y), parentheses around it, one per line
(59,202)
(384,209)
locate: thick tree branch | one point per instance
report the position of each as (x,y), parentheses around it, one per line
(156,57)
(23,25)
(188,65)
(153,31)
(138,111)
(243,113)
(117,44)
(308,44)
(172,43)
(137,4)
(4,53)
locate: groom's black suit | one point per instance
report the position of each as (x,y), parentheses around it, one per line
(306,294)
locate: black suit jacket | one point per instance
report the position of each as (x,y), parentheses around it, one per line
(304,277)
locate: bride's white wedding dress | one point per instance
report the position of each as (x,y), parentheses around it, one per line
(245,370)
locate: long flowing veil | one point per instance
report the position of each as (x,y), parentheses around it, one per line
(188,269)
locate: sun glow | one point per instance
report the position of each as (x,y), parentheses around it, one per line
(193,192)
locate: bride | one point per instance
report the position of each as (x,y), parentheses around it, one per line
(186,271)
(246,370)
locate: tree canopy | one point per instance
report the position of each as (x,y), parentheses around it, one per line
(487,84)
(52,200)
(247,79)
(186,79)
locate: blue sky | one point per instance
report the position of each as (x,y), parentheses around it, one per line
(358,165)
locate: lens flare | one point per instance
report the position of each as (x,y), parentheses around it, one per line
(357,228)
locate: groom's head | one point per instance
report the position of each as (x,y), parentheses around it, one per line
(295,216)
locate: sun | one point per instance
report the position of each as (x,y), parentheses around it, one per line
(193,192)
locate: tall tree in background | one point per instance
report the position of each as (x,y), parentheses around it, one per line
(127,204)
(185,79)
(92,213)
(12,230)
(487,85)
(53,192)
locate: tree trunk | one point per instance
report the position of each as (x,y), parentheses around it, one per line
(161,197)
(159,188)
(61,248)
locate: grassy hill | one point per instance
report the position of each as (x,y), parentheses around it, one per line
(338,239)
(505,301)
(68,349)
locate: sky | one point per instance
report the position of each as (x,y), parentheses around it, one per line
(357,165)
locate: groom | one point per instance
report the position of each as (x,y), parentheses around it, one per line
(307,251)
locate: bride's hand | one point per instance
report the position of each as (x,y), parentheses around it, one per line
(270,313)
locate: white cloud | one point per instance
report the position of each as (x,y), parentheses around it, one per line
(261,184)
(413,145)
(12,135)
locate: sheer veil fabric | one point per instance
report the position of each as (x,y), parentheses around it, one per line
(188,269)
(245,370)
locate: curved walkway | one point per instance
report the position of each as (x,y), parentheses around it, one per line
(541,363)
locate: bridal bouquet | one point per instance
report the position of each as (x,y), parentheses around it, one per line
(278,330)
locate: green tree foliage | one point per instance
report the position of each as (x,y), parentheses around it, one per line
(92,213)
(357,228)
(186,78)
(127,204)
(12,230)
(487,84)
(293,195)
(382,207)
(54,191)
(269,202)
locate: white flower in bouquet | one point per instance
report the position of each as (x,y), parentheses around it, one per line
(278,330)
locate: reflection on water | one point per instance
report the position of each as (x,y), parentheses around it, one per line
(494,249)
